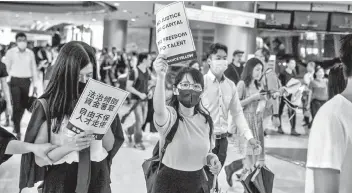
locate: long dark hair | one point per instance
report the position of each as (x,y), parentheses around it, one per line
(199,108)
(62,92)
(246,76)
(317,68)
(337,81)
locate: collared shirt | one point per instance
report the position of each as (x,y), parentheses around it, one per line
(21,64)
(221,99)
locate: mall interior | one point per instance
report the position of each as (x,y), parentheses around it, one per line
(307,30)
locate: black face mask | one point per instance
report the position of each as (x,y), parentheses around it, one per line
(81,87)
(189,98)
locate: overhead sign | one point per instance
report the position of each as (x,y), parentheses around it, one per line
(96,108)
(173,34)
(216,17)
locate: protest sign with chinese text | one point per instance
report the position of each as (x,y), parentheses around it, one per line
(96,108)
(173,34)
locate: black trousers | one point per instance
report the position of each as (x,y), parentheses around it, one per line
(170,180)
(220,150)
(291,113)
(19,88)
(315,106)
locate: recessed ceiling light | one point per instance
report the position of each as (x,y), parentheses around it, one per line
(133,19)
(94,19)
(124,10)
(116,4)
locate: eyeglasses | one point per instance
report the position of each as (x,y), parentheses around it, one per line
(186,86)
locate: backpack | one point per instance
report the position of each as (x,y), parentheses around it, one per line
(151,166)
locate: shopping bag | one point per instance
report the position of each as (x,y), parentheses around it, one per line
(31,100)
(263,180)
(249,187)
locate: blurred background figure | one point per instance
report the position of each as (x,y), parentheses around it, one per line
(195,64)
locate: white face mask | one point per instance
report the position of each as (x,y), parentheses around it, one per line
(219,66)
(22,45)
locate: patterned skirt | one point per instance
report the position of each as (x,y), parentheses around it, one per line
(255,122)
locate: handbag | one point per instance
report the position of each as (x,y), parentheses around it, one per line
(47,116)
(31,101)
(2,105)
(151,166)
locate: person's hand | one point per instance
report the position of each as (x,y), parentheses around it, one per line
(160,65)
(276,95)
(256,146)
(80,141)
(276,122)
(42,150)
(9,109)
(215,165)
(263,96)
(143,96)
(260,163)
(259,96)
(35,90)
(150,95)
(282,90)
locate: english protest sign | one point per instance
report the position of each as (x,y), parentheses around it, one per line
(173,34)
(96,108)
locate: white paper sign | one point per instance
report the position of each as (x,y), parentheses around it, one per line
(96,108)
(173,34)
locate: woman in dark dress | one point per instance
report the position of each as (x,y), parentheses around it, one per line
(73,170)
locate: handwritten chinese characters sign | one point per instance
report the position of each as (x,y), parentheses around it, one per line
(173,35)
(97,108)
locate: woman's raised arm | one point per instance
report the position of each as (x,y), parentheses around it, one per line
(159,104)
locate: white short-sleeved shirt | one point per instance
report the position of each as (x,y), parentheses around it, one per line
(191,142)
(330,143)
(97,151)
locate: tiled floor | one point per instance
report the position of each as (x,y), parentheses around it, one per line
(127,176)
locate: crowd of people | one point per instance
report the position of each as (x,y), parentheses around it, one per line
(204,105)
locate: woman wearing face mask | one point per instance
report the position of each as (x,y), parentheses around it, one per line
(318,91)
(250,96)
(74,168)
(189,151)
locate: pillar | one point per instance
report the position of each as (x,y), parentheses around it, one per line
(236,37)
(199,45)
(115,33)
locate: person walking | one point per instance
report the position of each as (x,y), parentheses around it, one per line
(235,69)
(190,150)
(285,77)
(21,65)
(249,89)
(6,94)
(137,85)
(220,98)
(318,91)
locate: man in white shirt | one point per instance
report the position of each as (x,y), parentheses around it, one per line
(220,98)
(329,160)
(22,68)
